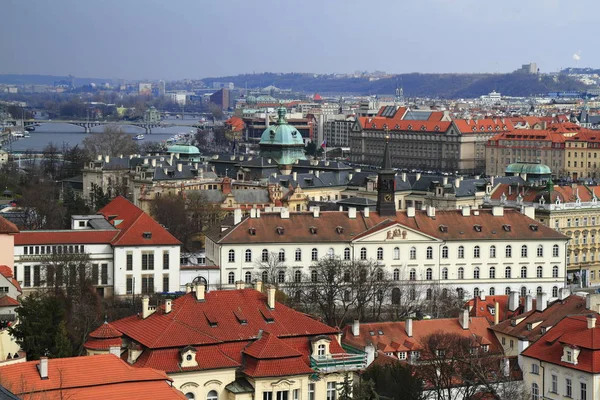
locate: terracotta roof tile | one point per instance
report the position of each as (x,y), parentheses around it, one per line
(7,301)
(65,237)
(269,346)
(7,227)
(105,331)
(7,272)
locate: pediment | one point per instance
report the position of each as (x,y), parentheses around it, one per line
(394,233)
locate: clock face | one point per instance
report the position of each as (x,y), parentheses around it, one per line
(387,197)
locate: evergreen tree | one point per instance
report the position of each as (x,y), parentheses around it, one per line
(62,345)
(345,388)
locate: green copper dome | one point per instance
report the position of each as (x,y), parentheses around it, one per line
(282,133)
(183,149)
(524,168)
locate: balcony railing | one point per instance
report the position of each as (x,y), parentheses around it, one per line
(338,362)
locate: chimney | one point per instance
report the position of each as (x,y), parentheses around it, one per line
(350,176)
(316,210)
(563,293)
(271,296)
(43,367)
(463,319)
(258,213)
(457,182)
(492,181)
(404,177)
(295,176)
(351,212)
(496,313)
(498,211)
(188,288)
(237,216)
(466,211)
(431,211)
(168,305)
(513,301)
(107,159)
(99,157)
(366,212)
(356,328)
(445,180)
(528,211)
(528,303)
(154,162)
(410,212)
(284,213)
(179,167)
(482,295)
(115,350)
(258,286)
(417,176)
(408,327)
(253,213)
(200,292)
(317,173)
(146,307)
(542,299)
(591,321)
(239,285)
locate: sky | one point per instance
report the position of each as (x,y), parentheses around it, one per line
(192,39)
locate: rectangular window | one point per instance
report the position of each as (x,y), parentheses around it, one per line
(27,276)
(147,284)
(535,369)
(104,274)
(129,261)
(267,395)
(166,259)
(554,385)
(331,391)
(568,388)
(282,395)
(26,250)
(311,391)
(36,275)
(165,283)
(94,274)
(129,287)
(296,394)
(147,260)
(583,391)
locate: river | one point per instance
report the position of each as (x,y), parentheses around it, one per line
(59,133)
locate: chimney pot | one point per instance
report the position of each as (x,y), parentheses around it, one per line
(541,300)
(43,367)
(258,286)
(591,321)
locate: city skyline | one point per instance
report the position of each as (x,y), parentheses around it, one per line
(188,39)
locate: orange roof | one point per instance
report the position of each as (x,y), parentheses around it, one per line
(88,377)
(236,124)
(105,331)
(6,271)
(7,227)
(392,124)
(486,307)
(7,301)
(64,237)
(484,125)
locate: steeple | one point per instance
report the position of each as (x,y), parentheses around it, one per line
(387,160)
(386,184)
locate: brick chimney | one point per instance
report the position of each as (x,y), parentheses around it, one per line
(226,186)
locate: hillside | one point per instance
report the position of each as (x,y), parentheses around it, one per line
(418,85)
(25,79)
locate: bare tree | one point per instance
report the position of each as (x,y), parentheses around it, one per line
(113,141)
(271,265)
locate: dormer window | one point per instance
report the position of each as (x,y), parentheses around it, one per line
(188,357)
(570,355)
(397,126)
(477,228)
(147,235)
(437,128)
(252,231)
(313,230)
(443,228)
(506,227)
(423,127)
(533,227)
(409,127)
(339,230)
(280,230)
(320,347)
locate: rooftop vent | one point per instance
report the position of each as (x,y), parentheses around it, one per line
(443,228)
(507,228)
(477,228)
(280,230)
(339,229)
(252,231)
(533,227)
(147,235)
(313,230)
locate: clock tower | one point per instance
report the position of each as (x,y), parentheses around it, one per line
(386,184)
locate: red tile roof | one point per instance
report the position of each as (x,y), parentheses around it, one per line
(65,237)
(235,124)
(105,331)
(572,331)
(169,359)
(485,308)
(397,125)
(7,301)
(7,227)
(132,223)
(276,367)
(269,346)
(490,125)
(91,377)
(6,271)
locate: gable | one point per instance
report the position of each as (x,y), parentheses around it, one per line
(394,233)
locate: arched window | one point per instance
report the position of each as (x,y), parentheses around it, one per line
(461,293)
(444,293)
(492,251)
(298,254)
(396,253)
(379,275)
(363,253)
(413,253)
(347,295)
(507,272)
(476,273)
(540,271)
(508,251)
(191,395)
(555,271)
(476,252)
(265,255)
(248,277)
(395,296)
(507,290)
(461,252)
(540,251)
(380,253)
(347,253)
(554,291)
(231,256)
(281,276)
(248,255)
(523,271)
(492,272)
(444,273)
(412,274)
(297,276)
(231,278)
(330,252)
(535,391)
(314,254)
(429,294)
(524,251)
(538,290)
(212,395)
(555,250)
(523,291)
(412,294)
(429,253)
(492,291)
(429,274)
(313,275)
(461,273)
(281,255)
(265,276)
(445,252)
(396,274)
(476,292)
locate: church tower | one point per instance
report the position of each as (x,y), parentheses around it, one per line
(282,142)
(386,184)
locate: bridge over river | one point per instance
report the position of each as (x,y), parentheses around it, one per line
(147,126)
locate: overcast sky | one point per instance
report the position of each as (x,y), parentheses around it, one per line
(174,39)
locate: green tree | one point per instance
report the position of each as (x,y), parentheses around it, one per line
(40,318)
(98,198)
(393,381)
(73,206)
(345,388)
(62,345)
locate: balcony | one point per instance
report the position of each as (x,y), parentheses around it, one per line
(338,362)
